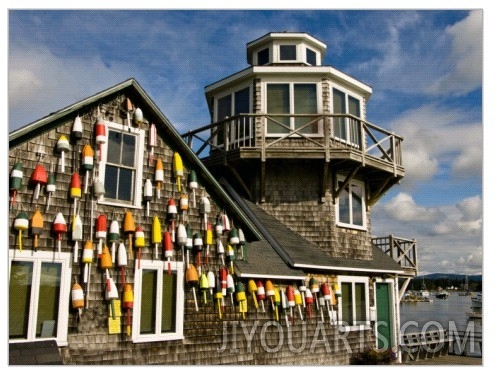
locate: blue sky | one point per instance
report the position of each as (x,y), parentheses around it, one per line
(425,68)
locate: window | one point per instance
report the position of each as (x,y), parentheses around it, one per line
(231,105)
(288,52)
(346,128)
(121,167)
(353,304)
(158,302)
(263,57)
(350,206)
(310,57)
(39,291)
(293,98)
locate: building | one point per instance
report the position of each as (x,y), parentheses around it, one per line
(131,244)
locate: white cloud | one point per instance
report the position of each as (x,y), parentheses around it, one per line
(466,57)
(435,136)
(449,237)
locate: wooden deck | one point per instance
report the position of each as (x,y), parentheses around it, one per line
(451,360)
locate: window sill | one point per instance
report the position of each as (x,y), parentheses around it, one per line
(352,227)
(158,338)
(121,205)
(344,328)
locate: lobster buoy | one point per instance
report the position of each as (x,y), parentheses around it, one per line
(252,288)
(230,286)
(16,180)
(36,227)
(156,234)
(129,228)
(87,163)
(208,240)
(62,147)
(205,209)
(241,298)
(211,281)
(298,302)
(314,287)
(148,194)
(152,141)
(192,281)
(261,294)
(277,303)
(39,177)
(168,249)
(128,304)
(59,228)
(50,188)
(77,298)
(159,176)
(76,235)
(75,190)
(122,261)
(203,281)
(197,248)
(139,244)
(77,130)
(193,185)
(243,241)
(184,205)
(178,169)
(100,232)
(218,296)
(309,300)
(100,132)
(114,237)
(291,300)
(87,258)
(138,116)
(172,216)
(230,257)
(284,305)
(128,108)
(21,223)
(223,280)
(270,292)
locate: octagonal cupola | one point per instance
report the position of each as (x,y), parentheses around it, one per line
(286,48)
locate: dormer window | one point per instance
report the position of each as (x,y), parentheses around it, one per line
(263,57)
(288,52)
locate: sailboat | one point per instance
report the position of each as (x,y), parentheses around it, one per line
(424,292)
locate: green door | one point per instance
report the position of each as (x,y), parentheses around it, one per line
(384,316)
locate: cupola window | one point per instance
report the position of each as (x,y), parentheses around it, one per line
(263,57)
(288,52)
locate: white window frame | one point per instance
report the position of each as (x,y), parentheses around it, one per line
(347,93)
(352,182)
(139,159)
(37,257)
(159,266)
(233,139)
(359,325)
(291,93)
(297,52)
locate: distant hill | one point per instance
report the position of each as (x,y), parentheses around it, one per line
(472,278)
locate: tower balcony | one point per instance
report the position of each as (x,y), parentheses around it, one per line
(348,143)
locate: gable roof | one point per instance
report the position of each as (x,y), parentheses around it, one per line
(132,89)
(299,253)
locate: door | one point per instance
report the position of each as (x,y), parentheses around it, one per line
(384,316)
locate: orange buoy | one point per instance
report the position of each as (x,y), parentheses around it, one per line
(39,177)
(36,226)
(192,280)
(129,228)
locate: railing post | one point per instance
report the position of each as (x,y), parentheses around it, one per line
(362,140)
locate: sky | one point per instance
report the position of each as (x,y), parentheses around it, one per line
(425,68)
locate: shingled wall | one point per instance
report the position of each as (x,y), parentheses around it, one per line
(89,342)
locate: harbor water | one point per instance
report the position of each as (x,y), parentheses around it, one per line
(447,314)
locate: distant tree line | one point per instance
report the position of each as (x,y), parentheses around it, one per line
(444,283)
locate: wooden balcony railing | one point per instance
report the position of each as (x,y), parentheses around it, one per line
(403,251)
(310,132)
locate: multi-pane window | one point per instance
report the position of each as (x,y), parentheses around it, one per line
(121,166)
(351,205)
(158,302)
(346,128)
(288,52)
(354,301)
(235,103)
(292,98)
(39,290)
